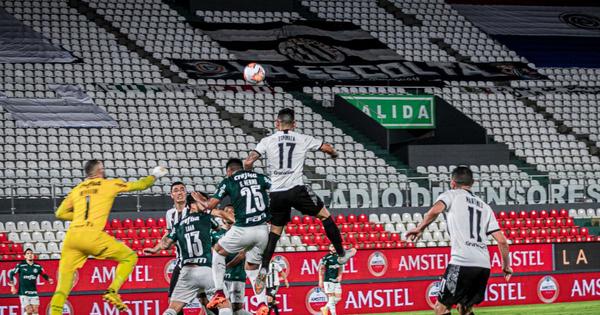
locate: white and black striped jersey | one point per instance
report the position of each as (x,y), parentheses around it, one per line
(470,221)
(173,217)
(273,275)
(285,152)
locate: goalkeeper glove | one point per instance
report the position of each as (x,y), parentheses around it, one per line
(158,172)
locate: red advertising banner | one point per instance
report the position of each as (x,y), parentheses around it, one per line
(376,297)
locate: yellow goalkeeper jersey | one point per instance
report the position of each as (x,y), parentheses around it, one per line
(90,202)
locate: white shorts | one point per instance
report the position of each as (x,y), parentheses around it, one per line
(29,300)
(253,239)
(235,291)
(192,279)
(332,288)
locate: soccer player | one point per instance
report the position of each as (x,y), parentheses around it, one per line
(28,272)
(248,193)
(88,206)
(274,278)
(285,152)
(470,222)
(235,275)
(173,217)
(330,279)
(193,237)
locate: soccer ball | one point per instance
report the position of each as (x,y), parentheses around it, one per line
(254,73)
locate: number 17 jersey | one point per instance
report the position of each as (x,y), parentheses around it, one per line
(285,152)
(470,221)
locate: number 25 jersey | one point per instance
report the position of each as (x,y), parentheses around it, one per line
(249,197)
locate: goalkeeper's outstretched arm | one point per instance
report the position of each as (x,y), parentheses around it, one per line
(145,182)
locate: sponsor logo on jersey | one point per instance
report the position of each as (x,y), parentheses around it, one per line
(169,267)
(377,264)
(431,294)
(548,289)
(283,262)
(67,309)
(315,299)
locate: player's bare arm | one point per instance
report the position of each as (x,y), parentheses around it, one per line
(429,217)
(321,274)
(504,251)
(211,207)
(253,156)
(328,148)
(241,256)
(159,246)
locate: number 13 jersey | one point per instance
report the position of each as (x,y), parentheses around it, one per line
(285,152)
(470,221)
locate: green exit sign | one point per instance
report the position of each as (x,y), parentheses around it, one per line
(396,111)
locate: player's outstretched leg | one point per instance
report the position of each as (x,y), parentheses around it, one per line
(274,235)
(125,267)
(334,236)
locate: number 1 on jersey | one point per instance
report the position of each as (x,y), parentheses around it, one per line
(290,152)
(472,213)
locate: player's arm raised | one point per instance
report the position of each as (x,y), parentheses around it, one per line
(328,148)
(65,210)
(429,217)
(210,206)
(253,156)
(144,182)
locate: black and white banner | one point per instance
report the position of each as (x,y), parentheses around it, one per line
(330,52)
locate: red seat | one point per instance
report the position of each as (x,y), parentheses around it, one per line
(550,222)
(296,220)
(523,233)
(346,228)
(312,229)
(554,213)
(290,229)
(131,234)
(533,233)
(579,238)
(162,222)
(127,224)
(384,237)
(379,227)
(363,218)
(352,238)
(3,238)
(139,223)
(543,233)
(554,232)
(564,232)
(307,220)
(523,215)
(395,237)
(529,223)
(323,247)
(155,233)
(340,219)
(543,214)
(18,257)
(563,213)
(589,238)
(319,239)
(390,245)
(539,240)
(533,214)
(135,245)
(4,249)
(519,224)
(502,215)
(16,248)
(512,215)
(362,237)
(517,241)
(512,234)
(569,222)
(373,238)
(508,224)
(307,239)
(357,227)
(150,223)
(379,245)
(539,222)
(163,253)
(143,233)
(149,243)
(115,224)
(301,229)
(584,232)
(6,257)
(351,218)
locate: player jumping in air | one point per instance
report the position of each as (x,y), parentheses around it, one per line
(88,206)
(470,222)
(285,152)
(248,193)
(28,272)
(193,237)
(330,280)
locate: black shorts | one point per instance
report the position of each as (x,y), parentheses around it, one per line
(174,278)
(272,291)
(301,198)
(463,285)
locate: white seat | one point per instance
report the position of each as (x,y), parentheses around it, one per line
(10,226)
(55,256)
(384,218)
(25,237)
(37,236)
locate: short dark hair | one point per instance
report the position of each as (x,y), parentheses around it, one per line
(176,184)
(189,199)
(235,163)
(90,165)
(27,250)
(462,175)
(286,116)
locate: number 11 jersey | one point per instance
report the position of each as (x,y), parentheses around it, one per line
(470,221)
(285,152)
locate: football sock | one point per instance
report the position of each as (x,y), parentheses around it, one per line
(170,311)
(270,249)
(242,312)
(225,311)
(275,309)
(218,270)
(252,275)
(331,304)
(334,236)
(63,288)
(124,268)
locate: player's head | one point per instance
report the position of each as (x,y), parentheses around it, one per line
(285,119)
(28,253)
(462,177)
(94,169)
(331,248)
(233,165)
(191,203)
(178,192)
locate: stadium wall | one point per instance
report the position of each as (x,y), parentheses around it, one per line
(375,281)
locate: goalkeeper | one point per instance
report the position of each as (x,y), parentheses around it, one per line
(88,206)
